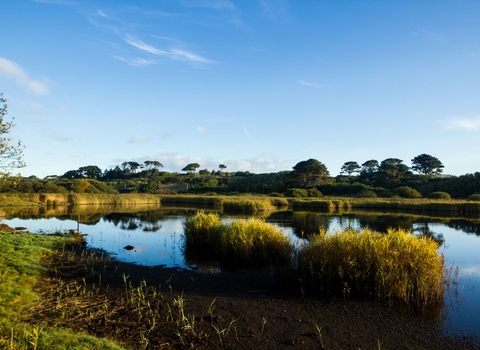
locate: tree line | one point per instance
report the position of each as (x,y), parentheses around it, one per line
(388,178)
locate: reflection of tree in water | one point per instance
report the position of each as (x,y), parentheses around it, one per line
(306,224)
(424,231)
(381,222)
(133,221)
(465,225)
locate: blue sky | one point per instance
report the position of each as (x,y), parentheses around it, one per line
(257,85)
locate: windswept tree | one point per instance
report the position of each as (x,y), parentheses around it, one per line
(152,164)
(222,167)
(308,172)
(11,156)
(391,171)
(370,166)
(426,165)
(191,168)
(349,168)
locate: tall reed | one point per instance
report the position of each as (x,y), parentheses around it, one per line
(391,266)
(242,242)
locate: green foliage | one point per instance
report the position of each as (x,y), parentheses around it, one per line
(240,243)
(343,189)
(474,197)
(10,156)
(426,164)
(350,167)
(307,173)
(407,192)
(366,194)
(296,192)
(313,192)
(439,195)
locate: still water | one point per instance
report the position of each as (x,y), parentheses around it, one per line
(155,237)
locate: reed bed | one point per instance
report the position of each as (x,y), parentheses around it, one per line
(391,266)
(241,243)
(247,205)
(423,205)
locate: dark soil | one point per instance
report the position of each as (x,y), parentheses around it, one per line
(237,310)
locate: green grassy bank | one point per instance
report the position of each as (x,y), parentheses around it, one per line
(20,271)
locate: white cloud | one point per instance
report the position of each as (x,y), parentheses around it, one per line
(201,130)
(468,123)
(138,138)
(174,54)
(303,82)
(246,133)
(136,62)
(13,71)
(101,13)
(214,4)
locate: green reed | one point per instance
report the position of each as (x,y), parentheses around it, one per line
(241,242)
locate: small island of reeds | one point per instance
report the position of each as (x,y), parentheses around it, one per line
(392,266)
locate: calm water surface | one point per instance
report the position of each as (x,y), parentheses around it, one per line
(157,239)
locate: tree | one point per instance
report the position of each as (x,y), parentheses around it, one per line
(370,166)
(307,172)
(152,164)
(11,157)
(222,167)
(426,164)
(350,167)
(191,168)
(391,171)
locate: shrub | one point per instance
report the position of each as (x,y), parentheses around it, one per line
(313,192)
(474,197)
(367,194)
(296,192)
(439,195)
(407,192)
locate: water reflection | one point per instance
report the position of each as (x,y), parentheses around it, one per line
(156,238)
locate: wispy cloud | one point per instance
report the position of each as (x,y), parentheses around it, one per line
(213,4)
(201,130)
(173,54)
(303,82)
(101,13)
(246,133)
(468,123)
(56,2)
(274,9)
(13,71)
(136,62)
(137,138)
(422,32)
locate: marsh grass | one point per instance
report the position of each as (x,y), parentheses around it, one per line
(391,266)
(417,205)
(232,204)
(240,243)
(132,314)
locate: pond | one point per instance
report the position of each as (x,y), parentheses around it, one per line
(154,236)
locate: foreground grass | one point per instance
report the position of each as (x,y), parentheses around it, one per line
(391,266)
(20,270)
